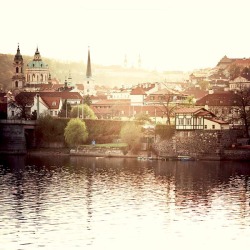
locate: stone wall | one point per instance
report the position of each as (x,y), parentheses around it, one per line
(197,143)
(12,139)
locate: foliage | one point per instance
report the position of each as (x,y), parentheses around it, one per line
(87,100)
(142,118)
(244,103)
(87,112)
(22,102)
(234,71)
(50,130)
(103,131)
(131,134)
(164,131)
(65,110)
(75,132)
(204,85)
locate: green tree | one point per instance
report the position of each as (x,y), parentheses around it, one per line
(84,110)
(87,100)
(75,132)
(131,134)
(65,110)
(142,118)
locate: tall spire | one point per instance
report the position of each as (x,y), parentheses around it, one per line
(18,56)
(88,73)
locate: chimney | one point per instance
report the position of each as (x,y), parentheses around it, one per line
(210,91)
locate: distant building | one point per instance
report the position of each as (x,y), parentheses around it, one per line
(18,78)
(89,86)
(198,119)
(37,71)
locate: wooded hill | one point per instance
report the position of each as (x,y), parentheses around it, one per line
(103,75)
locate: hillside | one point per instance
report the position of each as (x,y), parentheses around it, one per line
(103,75)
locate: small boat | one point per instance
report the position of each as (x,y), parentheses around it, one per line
(185,158)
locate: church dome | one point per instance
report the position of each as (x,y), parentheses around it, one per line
(37,65)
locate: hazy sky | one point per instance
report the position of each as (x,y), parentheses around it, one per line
(168,34)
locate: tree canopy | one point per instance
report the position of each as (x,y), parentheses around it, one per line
(75,132)
(84,110)
(131,134)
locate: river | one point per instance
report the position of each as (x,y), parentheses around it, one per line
(61,202)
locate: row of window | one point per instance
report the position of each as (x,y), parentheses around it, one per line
(188,121)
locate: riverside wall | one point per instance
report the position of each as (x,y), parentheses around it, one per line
(12,139)
(202,144)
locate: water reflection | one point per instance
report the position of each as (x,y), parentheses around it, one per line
(74,202)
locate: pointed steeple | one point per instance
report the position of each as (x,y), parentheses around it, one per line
(88,73)
(18,56)
(37,56)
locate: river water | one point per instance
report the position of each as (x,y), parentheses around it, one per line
(57,202)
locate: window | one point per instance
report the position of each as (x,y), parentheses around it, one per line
(55,112)
(199,121)
(205,126)
(16,69)
(12,113)
(188,121)
(181,121)
(53,103)
(213,126)
(16,84)
(51,113)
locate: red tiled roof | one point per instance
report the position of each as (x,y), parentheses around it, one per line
(219,99)
(138,91)
(194,110)
(51,102)
(216,120)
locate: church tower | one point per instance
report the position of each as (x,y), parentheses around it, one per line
(37,71)
(18,78)
(89,87)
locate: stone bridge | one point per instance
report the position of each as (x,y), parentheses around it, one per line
(16,136)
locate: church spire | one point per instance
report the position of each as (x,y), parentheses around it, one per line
(18,56)
(88,73)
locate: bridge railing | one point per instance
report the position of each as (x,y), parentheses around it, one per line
(15,121)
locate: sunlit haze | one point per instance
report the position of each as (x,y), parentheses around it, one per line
(168,35)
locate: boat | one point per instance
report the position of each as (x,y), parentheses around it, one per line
(185,158)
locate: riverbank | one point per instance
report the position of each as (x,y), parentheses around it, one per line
(232,155)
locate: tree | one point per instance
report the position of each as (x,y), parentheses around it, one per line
(131,134)
(65,110)
(23,102)
(75,132)
(168,107)
(142,118)
(87,100)
(234,71)
(82,110)
(243,107)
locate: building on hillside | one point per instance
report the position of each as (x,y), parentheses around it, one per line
(225,105)
(18,78)
(239,83)
(37,71)
(198,119)
(89,86)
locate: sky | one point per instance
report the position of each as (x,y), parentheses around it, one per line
(166,34)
